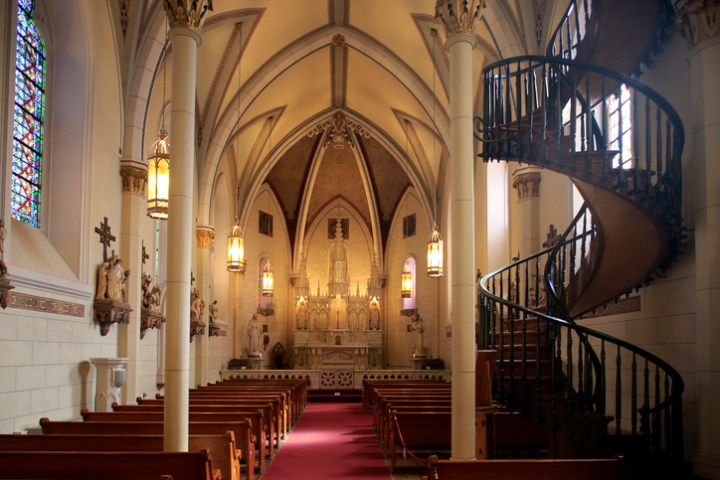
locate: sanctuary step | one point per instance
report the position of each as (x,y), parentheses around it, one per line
(335,395)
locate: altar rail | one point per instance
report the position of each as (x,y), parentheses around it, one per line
(335,379)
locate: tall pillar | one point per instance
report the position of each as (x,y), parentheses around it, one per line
(238,284)
(458,17)
(205,239)
(134,178)
(526,180)
(185,18)
(699,17)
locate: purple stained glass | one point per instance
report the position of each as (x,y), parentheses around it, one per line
(29,117)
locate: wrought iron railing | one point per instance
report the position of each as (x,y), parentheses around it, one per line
(568,375)
(591,124)
(571,30)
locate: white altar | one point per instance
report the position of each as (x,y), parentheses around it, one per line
(338,349)
(337,332)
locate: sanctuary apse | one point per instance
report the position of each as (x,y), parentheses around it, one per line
(337,330)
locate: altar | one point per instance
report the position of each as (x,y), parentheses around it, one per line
(338,349)
(336,331)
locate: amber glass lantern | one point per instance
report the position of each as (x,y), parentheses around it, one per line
(158,179)
(236,249)
(406,282)
(435,253)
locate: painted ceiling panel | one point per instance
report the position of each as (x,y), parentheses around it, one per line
(338,175)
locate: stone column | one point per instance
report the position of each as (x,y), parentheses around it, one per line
(134,178)
(458,17)
(185,18)
(700,21)
(238,285)
(526,180)
(205,239)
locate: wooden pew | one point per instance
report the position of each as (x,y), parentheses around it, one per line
(298,386)
(290,406)
(276,413)
(256,417)
(555,469)
(423,430)
(269,409)
(370,385)
(222,448)
(241,429)
(106,465)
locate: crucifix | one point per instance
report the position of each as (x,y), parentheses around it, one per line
(145,255)
(105,236)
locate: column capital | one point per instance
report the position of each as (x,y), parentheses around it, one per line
(134,179)
(188,14)
(698,20)
(458,16)
(205,235)
(527,183)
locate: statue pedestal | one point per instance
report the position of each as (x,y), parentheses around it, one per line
(110,377)
(418,361)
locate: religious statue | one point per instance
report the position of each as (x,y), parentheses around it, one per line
(417,328)
(197,306)
(302,314)
(151,296)
(213,312)
(115,279)
(254,337)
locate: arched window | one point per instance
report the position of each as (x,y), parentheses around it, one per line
(29,118)
(409,302)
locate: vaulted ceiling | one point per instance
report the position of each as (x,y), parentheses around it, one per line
(272,74)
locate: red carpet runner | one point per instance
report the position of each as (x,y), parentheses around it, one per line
(331,441)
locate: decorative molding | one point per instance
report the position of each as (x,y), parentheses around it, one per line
(107,311)
(196,328)
(699,20)
(205,236)
(124,16)
(527,185)
(458,16)
(43,304)
(187,13)
(150,319)
(338,130)
(338,40)
(134,180)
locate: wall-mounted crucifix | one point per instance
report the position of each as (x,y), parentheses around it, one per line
(105,236)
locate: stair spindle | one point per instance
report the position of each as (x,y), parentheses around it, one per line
(633,396)
(618,392)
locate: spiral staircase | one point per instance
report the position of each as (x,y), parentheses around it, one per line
(568,111)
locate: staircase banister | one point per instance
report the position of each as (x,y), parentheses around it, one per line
(573,6)
(629,81)
(678,384)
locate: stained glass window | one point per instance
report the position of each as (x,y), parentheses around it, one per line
(29,118)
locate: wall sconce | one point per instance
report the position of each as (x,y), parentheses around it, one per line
(406,282)
(236,249)
(435,253)
(158,180)
(267,280)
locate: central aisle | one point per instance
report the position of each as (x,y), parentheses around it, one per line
(331,441)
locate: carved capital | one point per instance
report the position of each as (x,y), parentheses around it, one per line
(458,16)
(134,180)
(189,14)
(205,236)
(527,185)
(699,20)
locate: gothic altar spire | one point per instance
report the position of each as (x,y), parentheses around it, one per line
(338,278)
